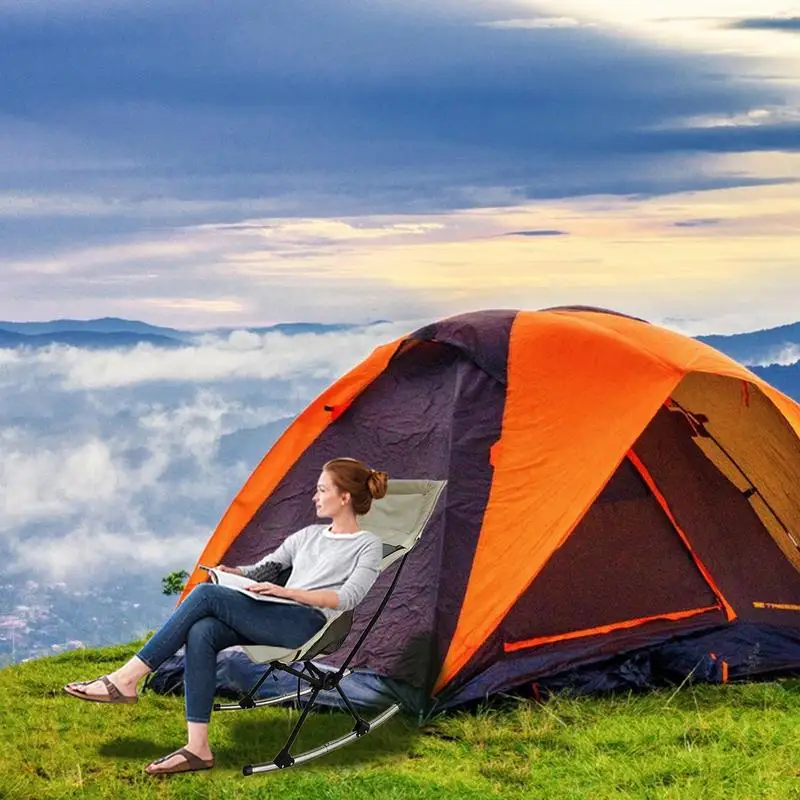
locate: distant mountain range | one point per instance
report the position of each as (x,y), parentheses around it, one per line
(106,325)
(763,347)
(766,347)
(111,332)
(756,347)
(86,339)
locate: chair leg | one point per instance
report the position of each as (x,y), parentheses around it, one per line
(361,726)
(284,758)
(246,701)
(249,701)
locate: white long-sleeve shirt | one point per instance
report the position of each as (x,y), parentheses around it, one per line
(347,563)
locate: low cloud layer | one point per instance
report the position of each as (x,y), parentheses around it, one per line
(533,234)
(783,356)
(239,356)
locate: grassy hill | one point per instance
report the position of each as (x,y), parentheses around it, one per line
(726,742)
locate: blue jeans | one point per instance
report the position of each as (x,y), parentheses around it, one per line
(212,618)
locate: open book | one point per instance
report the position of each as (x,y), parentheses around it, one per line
(240,583)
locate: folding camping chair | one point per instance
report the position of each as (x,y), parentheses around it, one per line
(399,520)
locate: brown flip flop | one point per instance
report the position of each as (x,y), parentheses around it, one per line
(191,763)
(114,695)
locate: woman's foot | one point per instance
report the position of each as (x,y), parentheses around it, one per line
(111,688)
(183,760)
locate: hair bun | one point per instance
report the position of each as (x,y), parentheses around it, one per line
(377,483)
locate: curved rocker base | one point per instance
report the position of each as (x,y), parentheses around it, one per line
(319,681)
(284,759)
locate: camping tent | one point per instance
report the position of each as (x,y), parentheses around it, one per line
(613,487)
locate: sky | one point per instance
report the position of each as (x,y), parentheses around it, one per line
(198,164)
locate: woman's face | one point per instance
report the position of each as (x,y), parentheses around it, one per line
(328,500)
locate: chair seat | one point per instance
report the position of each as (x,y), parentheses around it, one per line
(262,653)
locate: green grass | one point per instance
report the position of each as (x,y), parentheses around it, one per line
(726,742)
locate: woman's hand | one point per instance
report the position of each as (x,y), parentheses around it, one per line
(232,570)
(273,589)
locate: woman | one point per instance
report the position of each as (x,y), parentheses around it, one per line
(333,567)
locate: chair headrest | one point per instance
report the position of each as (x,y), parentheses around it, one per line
(399,518)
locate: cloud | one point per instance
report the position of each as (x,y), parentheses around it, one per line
(197,187)
(542,232)
(247,115)
(218,306)
(240,355)
(697,223)
(785,356)
(17,205)
(253,271)
(115,462)
(172,249)
(324,231)
(358,269)
(787,24)
(768,116)
(90,554)
(535,23)
(43,484)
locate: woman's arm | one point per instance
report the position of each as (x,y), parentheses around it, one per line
(232,570)
(322,598)
(348,596)
(365,573)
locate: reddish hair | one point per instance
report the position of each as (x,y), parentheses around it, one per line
(362,483)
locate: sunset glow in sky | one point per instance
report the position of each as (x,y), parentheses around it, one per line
(198,164)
